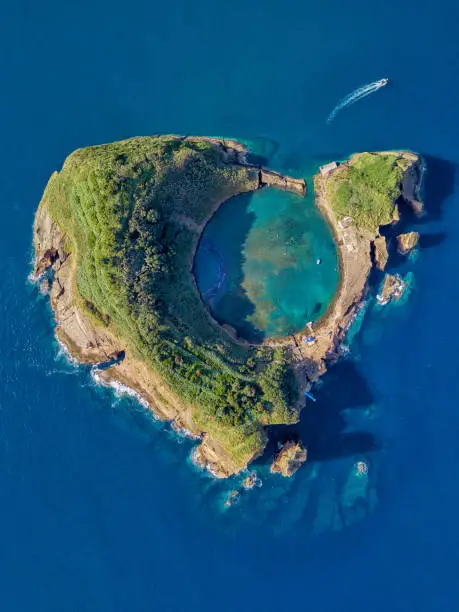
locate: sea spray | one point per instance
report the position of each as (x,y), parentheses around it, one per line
(63,352)
(121,389)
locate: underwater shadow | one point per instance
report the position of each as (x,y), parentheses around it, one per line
(428,241)
(439,181)
(322,426)
(223,239)
(261,151)
(439,185)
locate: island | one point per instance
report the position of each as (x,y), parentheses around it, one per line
(115,237)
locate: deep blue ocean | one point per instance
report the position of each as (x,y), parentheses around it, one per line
(100,508)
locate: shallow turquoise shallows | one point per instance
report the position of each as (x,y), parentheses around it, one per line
(267,263)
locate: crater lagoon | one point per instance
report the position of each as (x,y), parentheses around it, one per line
(267,263)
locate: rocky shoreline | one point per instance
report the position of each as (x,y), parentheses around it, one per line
(90,343)
(359,252)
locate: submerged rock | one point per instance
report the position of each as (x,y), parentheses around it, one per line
(233,498)
(289,459)
(392,289)
(407,242)
(358,496)
(361,468)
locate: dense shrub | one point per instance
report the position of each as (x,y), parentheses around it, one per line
(132,212)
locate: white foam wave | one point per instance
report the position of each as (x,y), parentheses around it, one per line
(64,352)
(182,432)
(120,389)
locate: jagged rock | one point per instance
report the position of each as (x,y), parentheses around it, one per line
(407,242)
(380,252)
(392,289)
(232,498)
(45,287)
(250,481)
(46,261)
(291,457)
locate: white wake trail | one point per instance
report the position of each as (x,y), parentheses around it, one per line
(355,96)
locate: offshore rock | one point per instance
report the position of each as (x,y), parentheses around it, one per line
(407,242)
(289,459)
(250,481)
(392,289)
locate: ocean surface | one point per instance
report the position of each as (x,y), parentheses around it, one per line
(100,507)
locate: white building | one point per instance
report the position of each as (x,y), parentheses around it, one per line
(324,170)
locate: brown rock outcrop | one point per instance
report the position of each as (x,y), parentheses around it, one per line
(289,459)
(392,289)
(380,252)
(407,242)
(250,481)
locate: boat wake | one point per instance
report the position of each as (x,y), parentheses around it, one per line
(356,95)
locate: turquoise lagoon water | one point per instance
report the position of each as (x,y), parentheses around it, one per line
(267,263)
(100,507)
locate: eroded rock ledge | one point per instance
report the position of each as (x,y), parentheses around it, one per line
(289,459)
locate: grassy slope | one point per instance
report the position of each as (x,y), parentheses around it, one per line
(131,212)
(367,187)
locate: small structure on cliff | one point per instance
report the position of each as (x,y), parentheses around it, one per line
(289,459)
(325,170)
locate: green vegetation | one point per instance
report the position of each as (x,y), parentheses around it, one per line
(367,188)
(131,213)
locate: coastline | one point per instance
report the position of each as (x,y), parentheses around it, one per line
(354,263)
(88,342)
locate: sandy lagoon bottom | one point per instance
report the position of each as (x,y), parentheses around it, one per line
(267,264)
